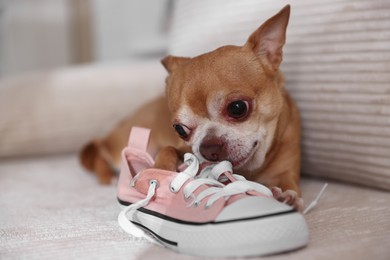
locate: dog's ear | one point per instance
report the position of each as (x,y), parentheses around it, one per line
(170,63)
(268,40)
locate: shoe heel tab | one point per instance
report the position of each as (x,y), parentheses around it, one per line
(139,138)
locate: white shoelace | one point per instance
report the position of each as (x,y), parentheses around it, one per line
(210,176)
(124,222)
(315,201)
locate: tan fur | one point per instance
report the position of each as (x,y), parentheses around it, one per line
(197,92)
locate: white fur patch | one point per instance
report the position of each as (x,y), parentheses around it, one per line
(246,142)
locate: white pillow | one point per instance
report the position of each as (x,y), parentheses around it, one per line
(59,111)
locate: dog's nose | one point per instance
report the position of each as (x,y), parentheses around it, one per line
(213,151)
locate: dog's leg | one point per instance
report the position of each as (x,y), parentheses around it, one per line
(167,159)
(95,158)
(104,171)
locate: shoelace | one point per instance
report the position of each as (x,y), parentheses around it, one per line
(315,201)
(209,176)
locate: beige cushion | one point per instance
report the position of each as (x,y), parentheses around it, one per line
(59,111)
(337,66)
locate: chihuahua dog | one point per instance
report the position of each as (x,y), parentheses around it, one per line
(228,104)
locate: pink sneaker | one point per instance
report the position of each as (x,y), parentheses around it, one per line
(195,213)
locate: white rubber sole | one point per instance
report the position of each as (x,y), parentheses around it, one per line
(259,236)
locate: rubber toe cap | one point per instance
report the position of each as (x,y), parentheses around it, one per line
(252,207)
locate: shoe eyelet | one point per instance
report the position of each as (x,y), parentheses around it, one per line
(196,203)
(172,189)
(153,181)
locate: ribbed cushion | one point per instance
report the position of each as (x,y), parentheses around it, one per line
(337,67)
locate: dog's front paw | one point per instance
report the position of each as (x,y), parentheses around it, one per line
(289,197)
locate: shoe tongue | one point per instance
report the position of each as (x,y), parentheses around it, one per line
(182,167)
(202,166)
(226,178)
(205,164)
(230,176)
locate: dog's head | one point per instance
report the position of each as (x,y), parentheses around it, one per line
(226,104)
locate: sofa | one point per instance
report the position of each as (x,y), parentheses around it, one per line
(52,208)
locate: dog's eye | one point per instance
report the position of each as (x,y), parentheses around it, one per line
(238,109)
(182,131)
